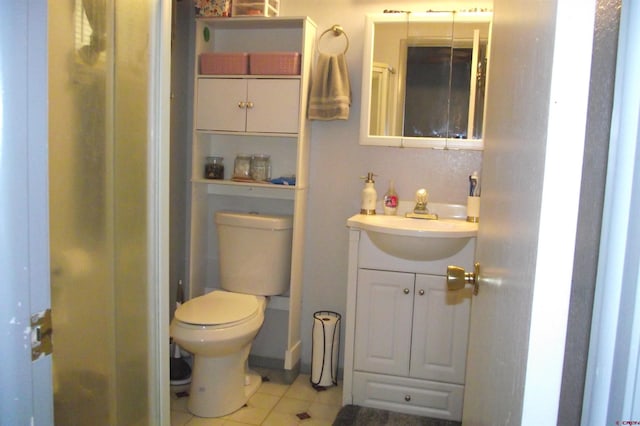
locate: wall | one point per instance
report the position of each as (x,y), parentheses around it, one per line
(181,105)
(591,204)
(338,161)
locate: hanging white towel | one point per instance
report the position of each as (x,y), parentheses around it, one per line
(330,89)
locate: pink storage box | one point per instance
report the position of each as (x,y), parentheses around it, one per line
(274,63)
(224,63)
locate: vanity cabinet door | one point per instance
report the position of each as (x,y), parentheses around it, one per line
(383,321)
(440,331)
(220,104)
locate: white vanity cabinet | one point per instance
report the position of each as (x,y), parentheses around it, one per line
(406,335)
(252,114)
(260,105)
(408,325)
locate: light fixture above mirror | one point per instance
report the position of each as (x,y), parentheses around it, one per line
(424,79)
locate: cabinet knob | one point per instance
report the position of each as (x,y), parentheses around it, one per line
(249,104)
(406,291)
(421,292)
(407,398)
(242,104)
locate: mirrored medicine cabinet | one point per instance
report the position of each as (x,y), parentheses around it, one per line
(424,78)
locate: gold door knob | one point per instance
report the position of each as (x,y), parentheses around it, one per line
(457,278)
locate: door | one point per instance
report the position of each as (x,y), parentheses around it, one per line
(221,104)
(108,187)
(274,105)
(530,186)
(248,105)
(440,331)
(383,316)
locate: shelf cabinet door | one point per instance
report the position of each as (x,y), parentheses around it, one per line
(275,105)
(219,107)
(440,331)
(383,321)
(248,105)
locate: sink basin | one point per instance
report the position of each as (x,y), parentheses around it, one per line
(416,239)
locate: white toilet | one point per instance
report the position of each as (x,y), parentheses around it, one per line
(219,327)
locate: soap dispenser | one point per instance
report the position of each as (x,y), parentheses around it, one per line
(390,202)
(369,196)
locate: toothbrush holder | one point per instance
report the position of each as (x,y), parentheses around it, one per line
(473,209)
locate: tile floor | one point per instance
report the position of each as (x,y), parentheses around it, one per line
(275,404)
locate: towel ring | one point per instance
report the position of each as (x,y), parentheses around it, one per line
(337,31)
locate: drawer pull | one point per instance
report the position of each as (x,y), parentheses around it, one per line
(407,398)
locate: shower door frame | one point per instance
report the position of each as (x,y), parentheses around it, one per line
(25,386)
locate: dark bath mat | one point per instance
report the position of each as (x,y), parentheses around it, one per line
(353,415)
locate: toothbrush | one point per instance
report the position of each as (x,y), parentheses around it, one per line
(473,184)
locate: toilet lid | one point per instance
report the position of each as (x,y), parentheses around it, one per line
(218,307)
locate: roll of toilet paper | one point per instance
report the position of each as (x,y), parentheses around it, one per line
(326,344)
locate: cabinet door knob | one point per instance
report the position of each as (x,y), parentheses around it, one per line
(249,104)
(407,398)
(242,104)
(406,291)
(421,292)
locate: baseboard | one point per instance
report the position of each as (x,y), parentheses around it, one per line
(278,364)
(306,369)
(288,375)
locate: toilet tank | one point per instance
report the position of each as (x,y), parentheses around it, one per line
(254,252)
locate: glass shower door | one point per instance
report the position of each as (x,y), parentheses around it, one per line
(98,145)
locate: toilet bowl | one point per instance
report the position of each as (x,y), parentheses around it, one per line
(218,328)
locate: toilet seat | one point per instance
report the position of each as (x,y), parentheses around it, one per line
(219,308)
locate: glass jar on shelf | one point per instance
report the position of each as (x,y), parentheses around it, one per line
(214,168)
(261,167)
(242,167)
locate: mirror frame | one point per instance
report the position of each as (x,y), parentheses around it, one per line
(367,68)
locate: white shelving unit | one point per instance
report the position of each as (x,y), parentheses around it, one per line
(274,124)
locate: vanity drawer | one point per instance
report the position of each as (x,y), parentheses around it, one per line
(406,395)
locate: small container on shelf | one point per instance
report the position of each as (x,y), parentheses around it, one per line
(242,167)
(214,168)
(261,167)
(224,63)
(255,7)
(274,63)
(210,8)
